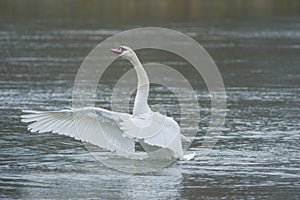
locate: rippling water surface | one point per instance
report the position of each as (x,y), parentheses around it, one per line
(257,154)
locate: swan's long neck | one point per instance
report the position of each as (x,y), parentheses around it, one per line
(141,99)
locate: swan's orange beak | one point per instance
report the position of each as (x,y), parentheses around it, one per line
(117,51)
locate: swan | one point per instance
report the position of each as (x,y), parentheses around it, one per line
(158,134)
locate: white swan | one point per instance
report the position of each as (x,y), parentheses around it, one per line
(159,135)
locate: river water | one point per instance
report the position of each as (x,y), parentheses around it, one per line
(256,156)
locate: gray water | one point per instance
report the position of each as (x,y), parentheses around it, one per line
(256,156)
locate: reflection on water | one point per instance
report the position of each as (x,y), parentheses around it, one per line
(257,155)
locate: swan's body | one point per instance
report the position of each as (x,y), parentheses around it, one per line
(159,135)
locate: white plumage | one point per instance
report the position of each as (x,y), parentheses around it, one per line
(159,135)
(94,125)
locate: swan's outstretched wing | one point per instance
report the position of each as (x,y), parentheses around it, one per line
(94,125)
(168,137)
(155,130)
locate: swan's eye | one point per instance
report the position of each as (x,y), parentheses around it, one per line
(122,49)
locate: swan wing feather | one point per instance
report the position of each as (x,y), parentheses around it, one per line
(94,125)
(142,126)
(168,137)
(156,130)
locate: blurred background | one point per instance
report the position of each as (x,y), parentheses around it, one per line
(256,46)
(116,12)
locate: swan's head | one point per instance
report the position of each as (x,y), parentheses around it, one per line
(124,51)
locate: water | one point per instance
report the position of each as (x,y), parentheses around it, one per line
(257,154)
